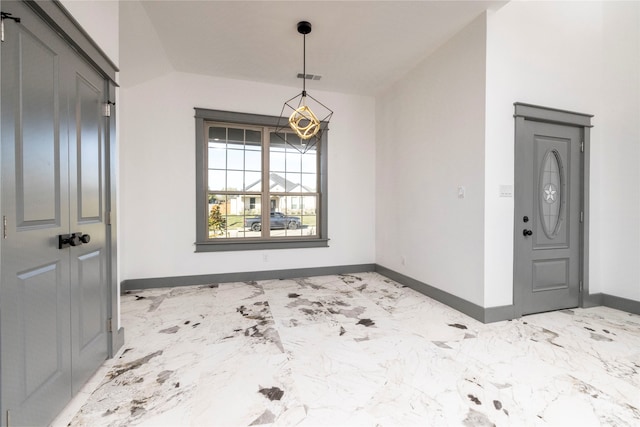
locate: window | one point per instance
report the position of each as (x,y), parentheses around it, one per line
(247,176)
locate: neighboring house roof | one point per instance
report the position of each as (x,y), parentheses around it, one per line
(277,181)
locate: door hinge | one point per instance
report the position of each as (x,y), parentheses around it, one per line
(107,108)
(581,216)
(580,286)
(4,227)
(108,219)
(582,146)
(109,325)
(8,418)
(3,16)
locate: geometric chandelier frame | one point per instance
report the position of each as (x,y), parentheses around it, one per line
(303,114)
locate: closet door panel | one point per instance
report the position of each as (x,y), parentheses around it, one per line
(35,330)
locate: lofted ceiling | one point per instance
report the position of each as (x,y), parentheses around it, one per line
(358,47)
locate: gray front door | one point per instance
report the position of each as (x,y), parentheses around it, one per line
(548,205)
(52,301)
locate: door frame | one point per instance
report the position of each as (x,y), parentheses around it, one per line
(529,112)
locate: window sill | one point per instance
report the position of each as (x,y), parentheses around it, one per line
(254,245)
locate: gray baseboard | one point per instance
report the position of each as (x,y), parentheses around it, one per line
(245,276)
(612,301)
(484,315)
(117,342)
(507,312)
(500,313)
(462,305)
(619,303)
(592,300)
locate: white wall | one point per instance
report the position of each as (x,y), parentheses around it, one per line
(100,20)
(543,53)
(578,56)
(430,140)
(142,54)
(157,159)
(615,266)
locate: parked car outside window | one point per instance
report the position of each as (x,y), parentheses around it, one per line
(277,220)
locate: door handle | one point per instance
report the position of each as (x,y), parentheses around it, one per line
(526,232)
(66,240)
(73,239)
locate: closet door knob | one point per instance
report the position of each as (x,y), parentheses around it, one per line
(74,240)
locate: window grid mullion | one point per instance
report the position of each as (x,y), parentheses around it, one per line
(266,197)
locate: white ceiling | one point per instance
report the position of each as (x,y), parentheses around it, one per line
(359,47)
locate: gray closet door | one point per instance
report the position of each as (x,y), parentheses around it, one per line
(88,269)
(52,301)
(547,217)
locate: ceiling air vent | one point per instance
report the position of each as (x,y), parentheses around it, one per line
(310,76)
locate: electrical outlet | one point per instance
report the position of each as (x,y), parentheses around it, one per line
(265,258)
(403,260)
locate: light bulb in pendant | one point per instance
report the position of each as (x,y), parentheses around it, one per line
(304,122)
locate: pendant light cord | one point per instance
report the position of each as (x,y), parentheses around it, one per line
(304,65)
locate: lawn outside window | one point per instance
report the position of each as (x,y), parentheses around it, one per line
(253,189)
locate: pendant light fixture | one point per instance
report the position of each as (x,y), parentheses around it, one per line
(301,113)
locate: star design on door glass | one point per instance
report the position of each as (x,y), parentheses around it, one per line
(550,193)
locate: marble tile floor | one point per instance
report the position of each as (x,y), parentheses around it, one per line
(357,350)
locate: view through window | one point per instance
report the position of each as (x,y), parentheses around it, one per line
(254,177)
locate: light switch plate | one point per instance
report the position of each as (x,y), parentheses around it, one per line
(506,191)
